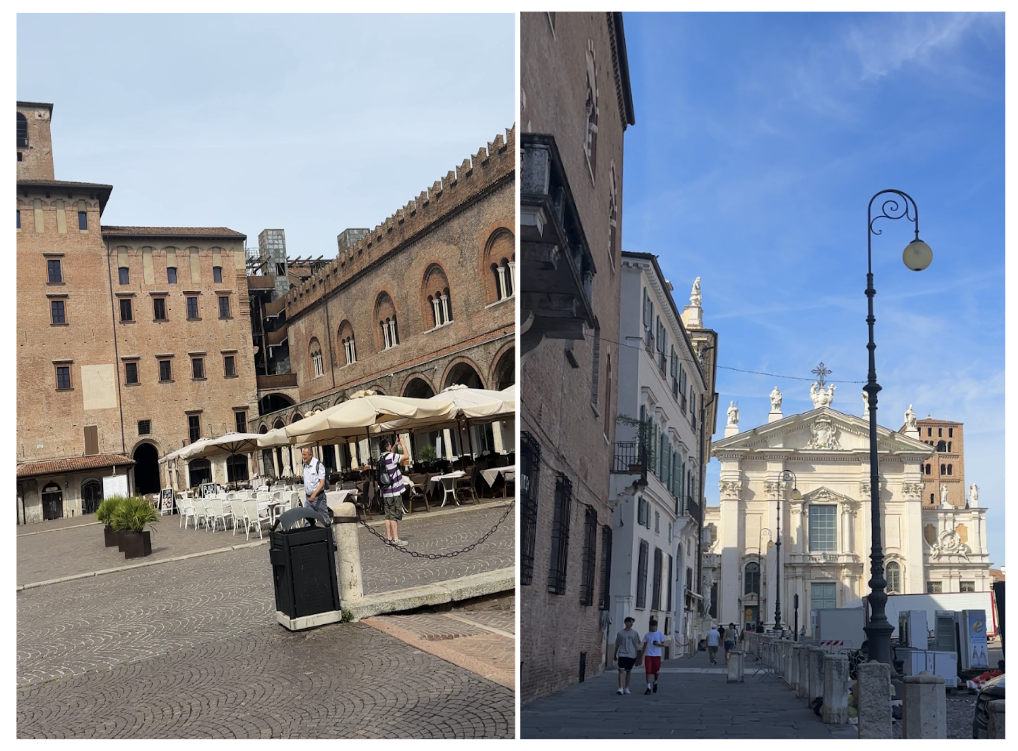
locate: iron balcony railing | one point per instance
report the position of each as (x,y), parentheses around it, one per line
(630,458)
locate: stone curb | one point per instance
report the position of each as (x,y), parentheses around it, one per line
(58,529)
(453,590)
(33,585)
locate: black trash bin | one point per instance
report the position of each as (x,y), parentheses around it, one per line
(304,571)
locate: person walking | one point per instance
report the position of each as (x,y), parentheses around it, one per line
(713,639)
(627,647)
(653,640)
(392,494)
(729,642)
(314,489)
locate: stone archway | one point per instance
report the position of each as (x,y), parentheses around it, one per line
(465,373)
(418,388)
(146,469)
(274,403)
(91,495)
(52,502)
(504,372)
(200,470)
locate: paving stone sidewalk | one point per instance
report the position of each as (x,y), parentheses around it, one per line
(65,549)
(694,700)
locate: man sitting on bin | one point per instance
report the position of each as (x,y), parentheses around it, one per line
(314,489)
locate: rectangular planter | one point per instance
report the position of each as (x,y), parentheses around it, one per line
(112,538)
(136,544)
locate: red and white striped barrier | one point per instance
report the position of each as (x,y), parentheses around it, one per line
(979,681)
(832,644)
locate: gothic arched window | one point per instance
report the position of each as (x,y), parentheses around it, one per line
(893,575)
(752,579)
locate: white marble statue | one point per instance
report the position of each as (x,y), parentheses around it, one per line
(974,495)
(733,414)
(694,296)
(865,404)
(943,494)
(820,396)
(910,419)
(775,400)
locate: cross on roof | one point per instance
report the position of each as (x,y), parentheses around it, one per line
(821,373)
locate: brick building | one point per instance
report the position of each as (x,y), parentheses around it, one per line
(423,301)
(131,340)
(576,104)
(946,465)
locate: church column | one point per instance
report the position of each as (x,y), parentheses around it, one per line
(846,522)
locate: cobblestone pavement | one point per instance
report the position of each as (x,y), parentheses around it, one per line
(65,547)
(695,704)
(191,649)
(480,639)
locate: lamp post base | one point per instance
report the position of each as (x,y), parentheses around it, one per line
(878,636)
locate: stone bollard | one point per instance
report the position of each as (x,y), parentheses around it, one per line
(736,667)
(874,700)
(924,708)
(348,554)
(835,709)
(995,715)
(793,666)
(815,671)
(802,671)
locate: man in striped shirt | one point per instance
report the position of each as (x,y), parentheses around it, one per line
(392,500)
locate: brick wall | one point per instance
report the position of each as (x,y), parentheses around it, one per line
(556,397)
(36,158)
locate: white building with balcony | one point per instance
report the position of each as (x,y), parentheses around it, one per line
(666,376)
(825,535)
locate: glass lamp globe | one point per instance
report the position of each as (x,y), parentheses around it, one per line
(918,255)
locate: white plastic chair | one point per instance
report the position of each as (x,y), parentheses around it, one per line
(185,507)
(253,517)
(201,512)
(216,512)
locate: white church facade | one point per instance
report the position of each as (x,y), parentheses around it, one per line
(825,535)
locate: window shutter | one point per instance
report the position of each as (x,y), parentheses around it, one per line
(91,440)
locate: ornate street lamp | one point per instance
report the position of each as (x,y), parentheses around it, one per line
(796,496)
(762,562)
(917,256)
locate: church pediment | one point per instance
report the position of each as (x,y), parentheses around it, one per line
(820,430)
(825,495)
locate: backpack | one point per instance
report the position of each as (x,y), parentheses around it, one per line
(382,476)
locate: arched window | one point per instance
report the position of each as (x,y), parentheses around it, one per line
(346,339)
(22,131)
(943,469)
(752,579)
(927,469)
(385,314)
(949,447)
(948,469)
(893,575)
(941,446)
(317,364)
(435,296)
(498,266)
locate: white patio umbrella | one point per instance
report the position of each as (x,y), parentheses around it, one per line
(476,406)
(231,444)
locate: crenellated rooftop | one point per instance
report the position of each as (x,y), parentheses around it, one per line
(487,168)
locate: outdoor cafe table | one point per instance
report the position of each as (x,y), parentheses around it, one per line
(448,481)
(490,475)
(335,497)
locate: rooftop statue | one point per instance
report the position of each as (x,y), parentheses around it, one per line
(694,296)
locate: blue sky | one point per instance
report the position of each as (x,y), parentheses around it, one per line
(759,141)
(310,123)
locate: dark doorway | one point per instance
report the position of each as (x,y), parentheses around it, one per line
(52,502)
(273,402)
(236,468)
(200,471)
(418,388)
(463,373)
(91,495)
(505,370)
(146,469)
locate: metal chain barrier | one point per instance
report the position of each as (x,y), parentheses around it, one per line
(453,554)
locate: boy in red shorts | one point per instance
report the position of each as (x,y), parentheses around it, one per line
(652,643)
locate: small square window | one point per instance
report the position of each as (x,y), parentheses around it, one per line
(159,307)
(165,372)
(63,377)
(230,367)
(192,307)
(131,372)
(198,368)
(57,310)
(217,274)
(55,272)
(968,586)
(82,220)
(126,314)
(19,156)
(125,275)
(194,427)
(280,269)
(241,418)
(224,307)
(144,427)
(171,275)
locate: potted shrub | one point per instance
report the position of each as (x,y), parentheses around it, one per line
(130,518)
(427,456)
(104,513)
